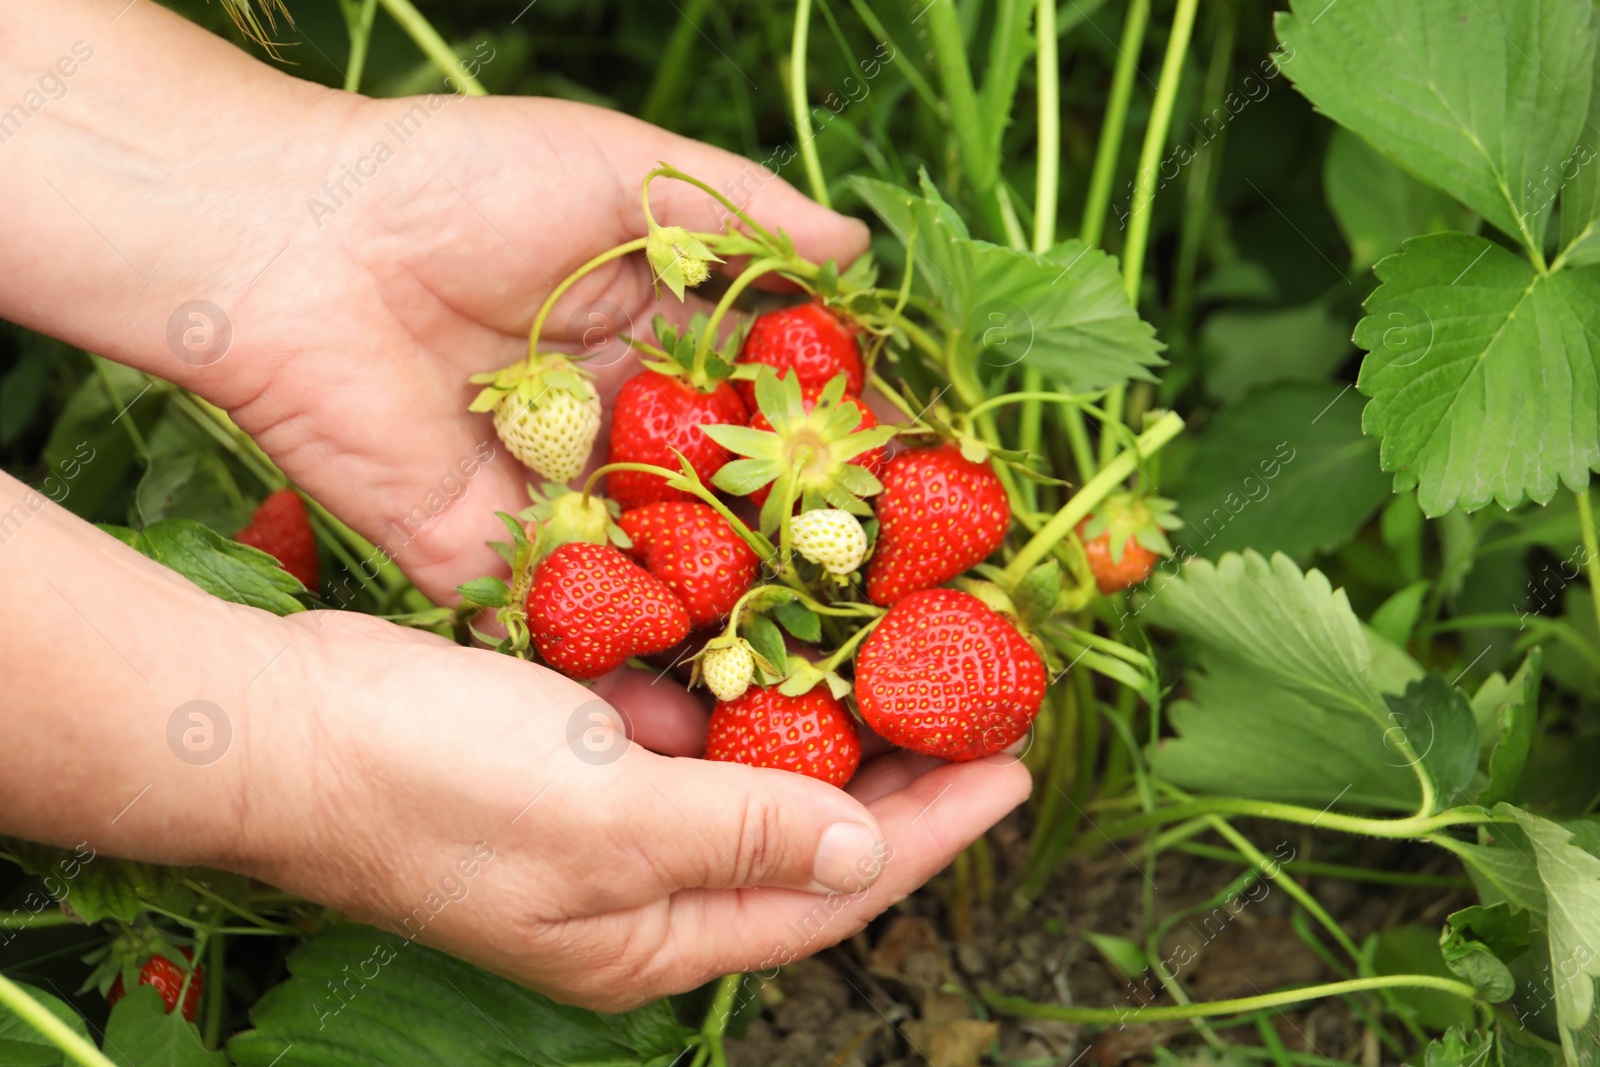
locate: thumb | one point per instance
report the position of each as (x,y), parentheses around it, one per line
(717,825)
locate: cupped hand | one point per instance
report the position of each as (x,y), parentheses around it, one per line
(362,335)
(491,808)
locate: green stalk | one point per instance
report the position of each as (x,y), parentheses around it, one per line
(433,46)
(758,542)
(1404,827)
(1328,870)
(358,20)
(1089,497)
(966,122)
(908,70)
(708,336)
(43,1020)
(1591,545)
(666,90)
(1024,1008)
(570,280)
(716,1021)
(1047,191)
(798,100)
(1144,188)
(135,437)
(1098,199)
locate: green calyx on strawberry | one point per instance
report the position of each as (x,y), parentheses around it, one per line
(1125,537)
(809,456)
(678,259)
(147,955)
(659,415)
(564,516)
(507,602)
(546,412)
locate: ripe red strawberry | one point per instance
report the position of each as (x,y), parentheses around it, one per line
(1125,537)
(944,675)
(695,553)
(657,413)
(281,529)
(811,734)
(872,461)
(166,978)
(811,339)
(590,608)
(940,514)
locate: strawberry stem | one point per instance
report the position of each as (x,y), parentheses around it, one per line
(566,283)
(1090,496)
(708,335)
(758,544)
(667,170)
(843,652)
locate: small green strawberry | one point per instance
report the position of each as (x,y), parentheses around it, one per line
(546,412)
(829,537)
(678,259)
(728,669)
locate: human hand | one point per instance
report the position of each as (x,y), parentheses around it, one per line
(492,809)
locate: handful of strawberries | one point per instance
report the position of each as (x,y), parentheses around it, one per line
(754,515)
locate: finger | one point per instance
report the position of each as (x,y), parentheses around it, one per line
(926,825)
(635,149)
(722,825)
(890,773)
(665,717)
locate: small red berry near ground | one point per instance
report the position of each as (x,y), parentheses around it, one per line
(166,978)
(946,676)
(809,338)
(657,414)
(281,529)
(695,553)
(590,608)
(940,514)
(811,734)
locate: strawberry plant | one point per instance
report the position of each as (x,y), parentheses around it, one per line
(1209,428)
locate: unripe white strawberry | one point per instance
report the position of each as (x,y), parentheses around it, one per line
(728,670)
(547,414)
(830,537)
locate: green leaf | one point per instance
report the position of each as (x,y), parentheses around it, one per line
(1506,721)
(361,998)
(1411,948)
(1437,722)
(1482,98)
(1284,705)
(23,1046)
(1245,348)
(801,622)
(1479,941)
(1396,617)
(22,392)
(140,1033)
(1571,879)
(764,637)
(1377,205)
(490,592)
(1123,956)
(1578,179)
(1458,1048)
(1286,470)
(1482,373)
(1065,313)
(223,568)
(95,887)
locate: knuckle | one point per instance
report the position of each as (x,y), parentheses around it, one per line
(760,852)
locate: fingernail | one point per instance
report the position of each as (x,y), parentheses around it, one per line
(849,858)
